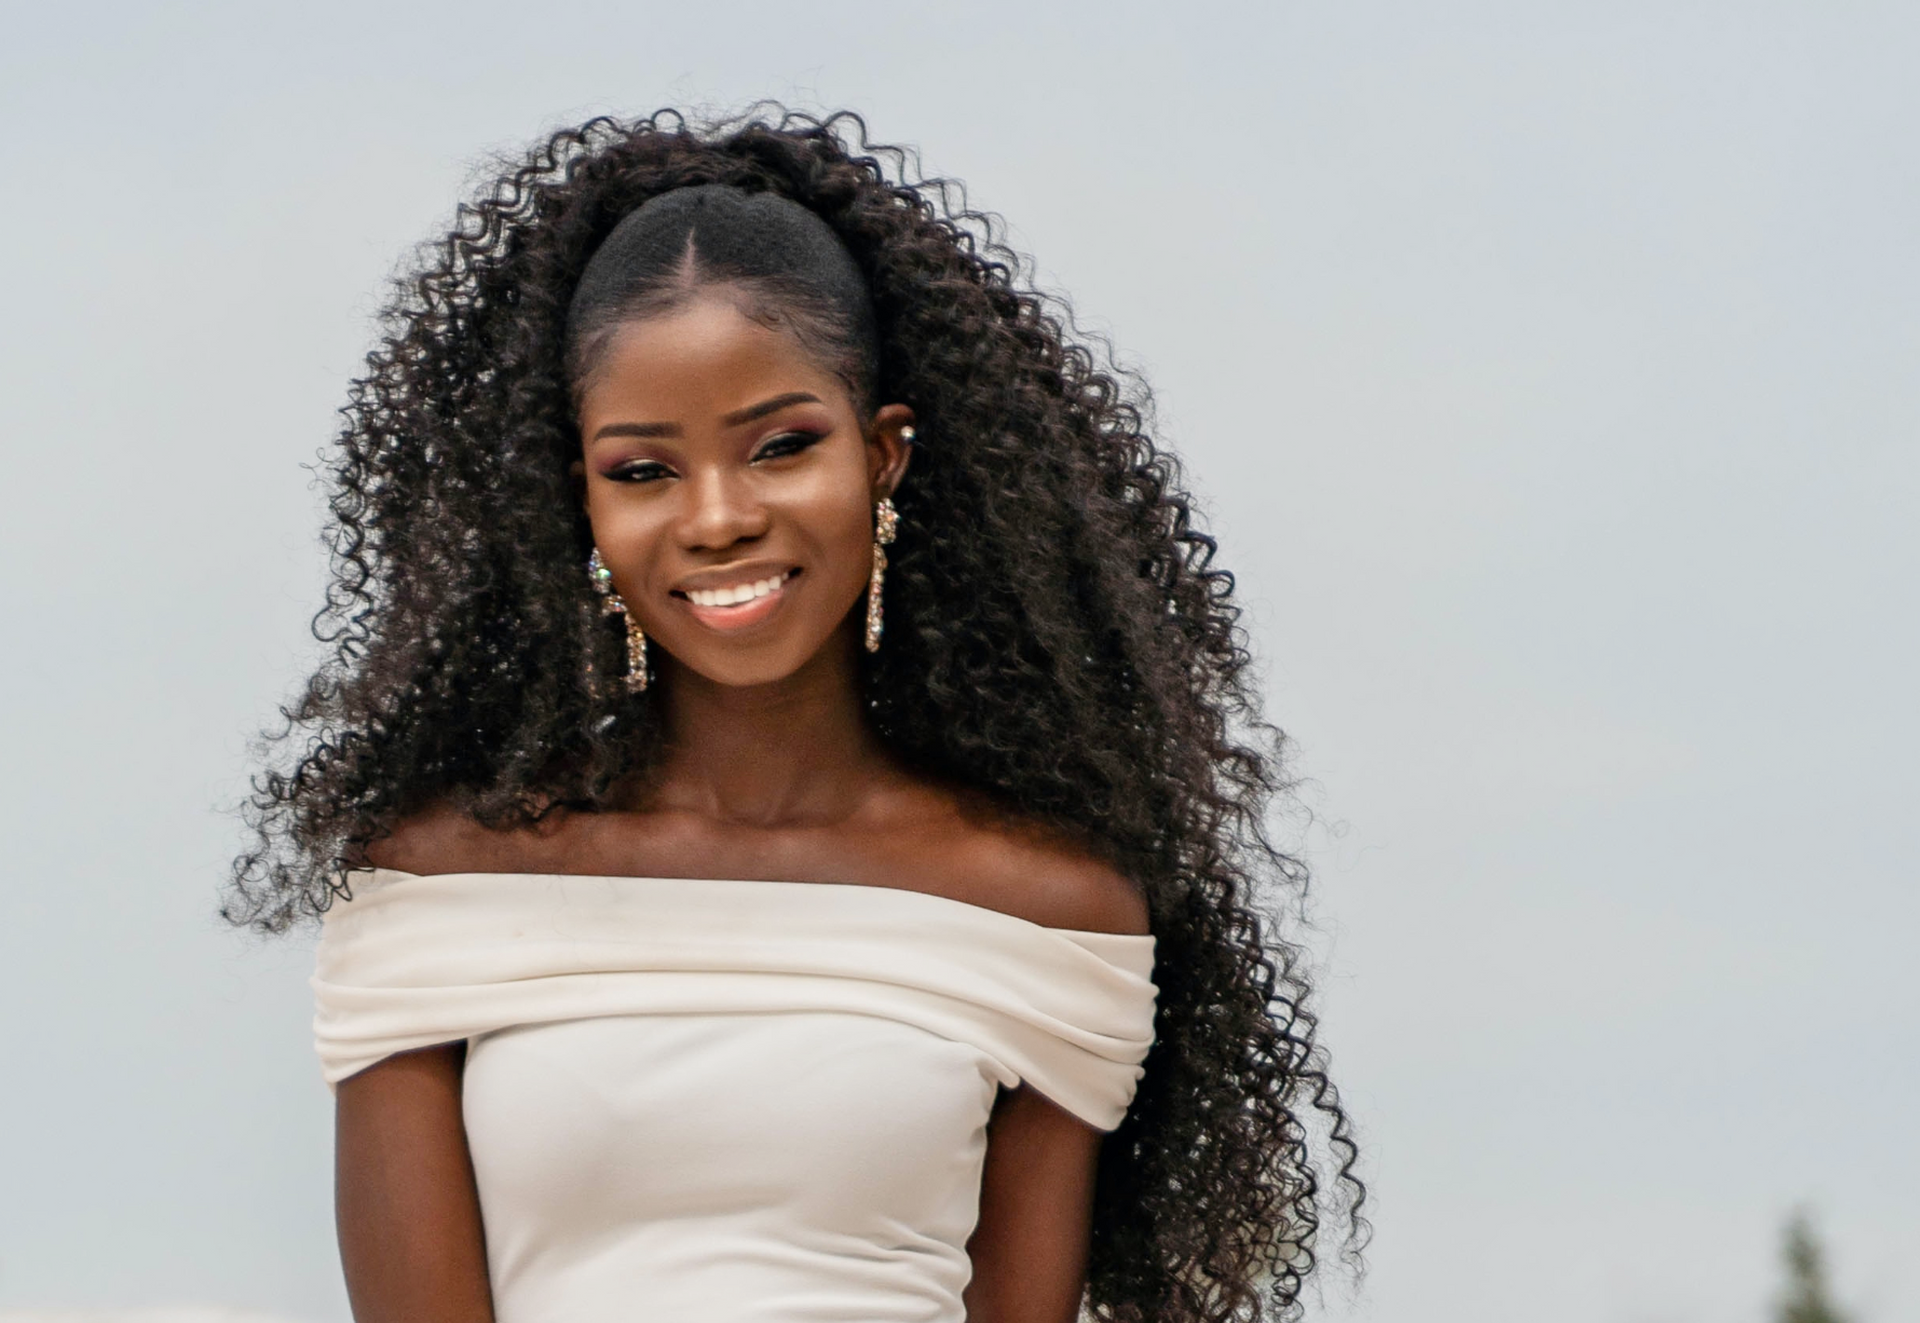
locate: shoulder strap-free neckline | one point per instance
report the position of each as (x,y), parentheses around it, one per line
(410,960)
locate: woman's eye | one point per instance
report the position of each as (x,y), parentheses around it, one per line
(640,470)
(788,443)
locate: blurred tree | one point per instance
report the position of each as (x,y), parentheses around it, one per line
(1806,1299)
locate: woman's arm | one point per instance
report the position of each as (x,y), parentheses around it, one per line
(404,1197)
(1029,1249)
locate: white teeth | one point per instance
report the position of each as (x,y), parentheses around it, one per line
(745,592)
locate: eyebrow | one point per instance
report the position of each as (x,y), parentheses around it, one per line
(734,419)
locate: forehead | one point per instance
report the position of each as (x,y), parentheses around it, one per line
(705,357)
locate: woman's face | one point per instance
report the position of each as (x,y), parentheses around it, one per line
(721,459)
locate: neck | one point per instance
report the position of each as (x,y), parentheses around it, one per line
(798,751)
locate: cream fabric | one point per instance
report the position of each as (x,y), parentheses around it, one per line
(728,1101)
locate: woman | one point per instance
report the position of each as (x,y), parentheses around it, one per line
(786,798)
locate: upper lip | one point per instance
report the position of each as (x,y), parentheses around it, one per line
(733,576)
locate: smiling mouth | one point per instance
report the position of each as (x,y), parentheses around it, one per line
(737,605)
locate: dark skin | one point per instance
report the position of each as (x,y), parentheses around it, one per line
(717,451)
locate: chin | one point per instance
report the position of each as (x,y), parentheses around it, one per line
(753,679)
(744,672)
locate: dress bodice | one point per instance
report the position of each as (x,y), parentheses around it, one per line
(730,1101)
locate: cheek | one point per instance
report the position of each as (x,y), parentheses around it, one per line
(614,520)
(838,523)
(633,536)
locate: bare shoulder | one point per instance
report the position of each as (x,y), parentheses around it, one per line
(442,839)
(1033,873)
(1078,892)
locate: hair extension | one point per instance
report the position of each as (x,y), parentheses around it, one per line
(1059,634)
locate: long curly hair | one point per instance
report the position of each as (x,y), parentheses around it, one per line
(1058,637)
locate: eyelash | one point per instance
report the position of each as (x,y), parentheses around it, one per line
(801,441)
(788,443)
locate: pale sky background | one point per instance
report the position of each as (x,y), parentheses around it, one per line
(1548,368)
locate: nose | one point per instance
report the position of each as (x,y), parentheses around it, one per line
(721,510)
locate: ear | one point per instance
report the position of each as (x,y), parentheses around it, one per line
(888,449)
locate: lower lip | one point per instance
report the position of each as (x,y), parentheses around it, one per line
(726,619)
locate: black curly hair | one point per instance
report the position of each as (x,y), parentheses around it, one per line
(1058,637)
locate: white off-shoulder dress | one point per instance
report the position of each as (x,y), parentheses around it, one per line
(728,1101)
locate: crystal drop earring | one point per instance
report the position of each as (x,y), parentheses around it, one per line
(886,520)
(611,605)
